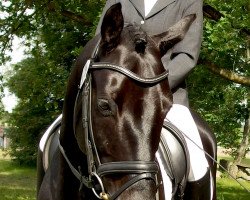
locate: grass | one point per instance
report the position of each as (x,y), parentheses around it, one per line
(229,189)
(16,182)
(245,161)
(19,183)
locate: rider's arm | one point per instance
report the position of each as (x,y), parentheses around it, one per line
(185,54)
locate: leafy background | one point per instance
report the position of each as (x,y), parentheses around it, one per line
(54,33)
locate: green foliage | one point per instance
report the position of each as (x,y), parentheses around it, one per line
(225,41)
(55,32)
(39,85)
(224,104)
(59,26)
(1,111)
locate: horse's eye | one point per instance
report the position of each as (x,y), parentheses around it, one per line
(104,107)
(103,104)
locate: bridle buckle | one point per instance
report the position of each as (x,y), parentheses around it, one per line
(103,195)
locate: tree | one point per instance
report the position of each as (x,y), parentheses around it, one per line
(39,85)
(1,96)
(60,26)
(223,104)
(1,111)
(56,31)
(223,99)
(226,40)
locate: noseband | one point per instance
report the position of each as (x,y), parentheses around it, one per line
(96,169)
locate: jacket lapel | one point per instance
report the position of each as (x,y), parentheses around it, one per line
(139,6)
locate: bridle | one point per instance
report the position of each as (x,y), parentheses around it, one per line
(96,169)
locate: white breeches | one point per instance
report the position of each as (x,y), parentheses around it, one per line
(181,117)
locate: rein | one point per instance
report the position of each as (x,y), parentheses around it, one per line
(214,160)
(96,169)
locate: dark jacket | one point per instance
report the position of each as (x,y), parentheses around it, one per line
(182,58)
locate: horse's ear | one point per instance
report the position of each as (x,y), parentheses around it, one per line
(174,34)
(112,26)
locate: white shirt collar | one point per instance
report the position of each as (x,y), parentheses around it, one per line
(149,4)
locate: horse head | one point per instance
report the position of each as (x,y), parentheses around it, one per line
(127,103)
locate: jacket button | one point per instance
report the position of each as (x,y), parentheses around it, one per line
(142,22)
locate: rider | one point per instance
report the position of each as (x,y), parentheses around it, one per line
(156,16)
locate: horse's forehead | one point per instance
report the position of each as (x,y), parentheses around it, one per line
(109,83)
(126,56)
(134,34)
(134,31)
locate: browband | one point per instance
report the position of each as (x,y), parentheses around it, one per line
(148,81)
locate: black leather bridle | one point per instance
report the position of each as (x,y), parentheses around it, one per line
(96,169)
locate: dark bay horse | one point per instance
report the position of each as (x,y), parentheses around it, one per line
(116,101)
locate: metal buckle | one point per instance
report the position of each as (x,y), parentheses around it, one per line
(103,195)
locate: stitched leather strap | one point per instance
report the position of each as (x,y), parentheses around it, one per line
(131,182)
(132,167)
(148,81)
(83,180)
